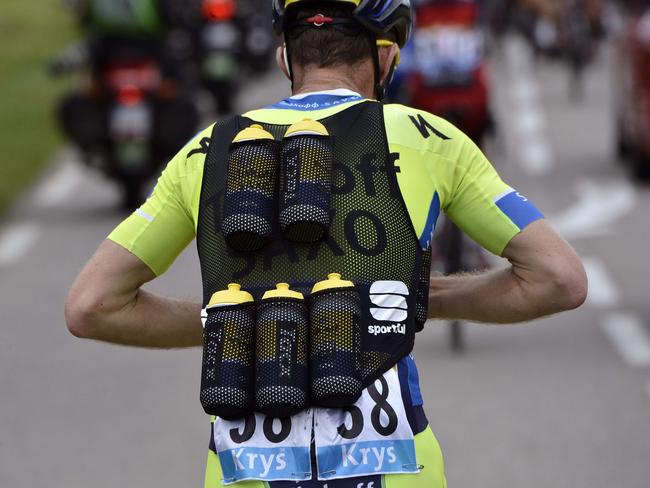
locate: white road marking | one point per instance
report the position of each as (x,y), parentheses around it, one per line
(599,205)
(529,121)
(536,156)
(525,90)
(603,292)
(16,241)
(59,186)
(518,54)
(630,338)
(535,153)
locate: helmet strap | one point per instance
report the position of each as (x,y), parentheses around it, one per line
(287,63)
(380,89)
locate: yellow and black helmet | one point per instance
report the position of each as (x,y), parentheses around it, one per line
(378,16)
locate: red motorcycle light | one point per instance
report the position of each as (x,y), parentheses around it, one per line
(130,95)
(219,9)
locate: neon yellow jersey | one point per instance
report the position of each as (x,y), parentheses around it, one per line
(440,170)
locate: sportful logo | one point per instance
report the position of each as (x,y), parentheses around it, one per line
(390,305)
(387,329)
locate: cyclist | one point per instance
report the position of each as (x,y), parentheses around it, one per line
(395,169)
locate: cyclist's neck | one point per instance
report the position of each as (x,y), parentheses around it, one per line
(324,79)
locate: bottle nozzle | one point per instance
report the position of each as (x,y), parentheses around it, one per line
(233,295)
(283,290)
(334,280)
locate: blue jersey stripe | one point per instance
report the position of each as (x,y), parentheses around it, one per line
(432,219)
(315,102)
(519,209)
(414,382)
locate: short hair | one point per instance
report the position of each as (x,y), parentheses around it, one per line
(326,47)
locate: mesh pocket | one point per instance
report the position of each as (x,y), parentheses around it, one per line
(335,348)
(282,380)
(249,202)
(228,369)
(305,181)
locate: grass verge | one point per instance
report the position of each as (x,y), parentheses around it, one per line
(31,33)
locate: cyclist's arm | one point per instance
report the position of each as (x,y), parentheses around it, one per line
(107,303)
(545,276)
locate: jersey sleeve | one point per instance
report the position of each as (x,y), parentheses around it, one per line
(439,169)
(481,204)
(165,224)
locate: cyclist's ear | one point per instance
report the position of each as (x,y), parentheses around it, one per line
(283,61)
(388,55)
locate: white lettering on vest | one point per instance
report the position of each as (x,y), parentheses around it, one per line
(387,329)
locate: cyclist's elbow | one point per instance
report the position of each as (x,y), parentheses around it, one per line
(82,313)
(569,285)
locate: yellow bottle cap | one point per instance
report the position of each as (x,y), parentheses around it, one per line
(306,127)
(333,281)
(283,291)
(253,133)
(232,296)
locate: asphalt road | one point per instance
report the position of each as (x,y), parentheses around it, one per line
(561,402)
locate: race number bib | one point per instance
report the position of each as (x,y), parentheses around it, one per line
(264,448)
(444,52)
(369,438)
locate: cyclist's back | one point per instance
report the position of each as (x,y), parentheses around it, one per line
(389,172)
(395,169)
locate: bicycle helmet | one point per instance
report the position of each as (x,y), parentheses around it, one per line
(378,16)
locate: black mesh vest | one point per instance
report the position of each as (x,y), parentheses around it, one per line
(371,238)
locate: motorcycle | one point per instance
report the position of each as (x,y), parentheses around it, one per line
(129,120)
(259,40)
(219,47)
(449,76)
(232,40)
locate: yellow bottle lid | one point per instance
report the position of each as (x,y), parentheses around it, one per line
(306,127)
(232,296)
(253,133)
(333,281)
(283,291)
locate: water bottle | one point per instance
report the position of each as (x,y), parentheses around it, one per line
(249,202)
(282,381)
(335,343)
(227,376)
(305,182)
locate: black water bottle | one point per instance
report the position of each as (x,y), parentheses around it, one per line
(227,376)
(335,343)
(249,202)
(282,382)
(305,182)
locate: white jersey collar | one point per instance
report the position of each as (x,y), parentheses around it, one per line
(340,92)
